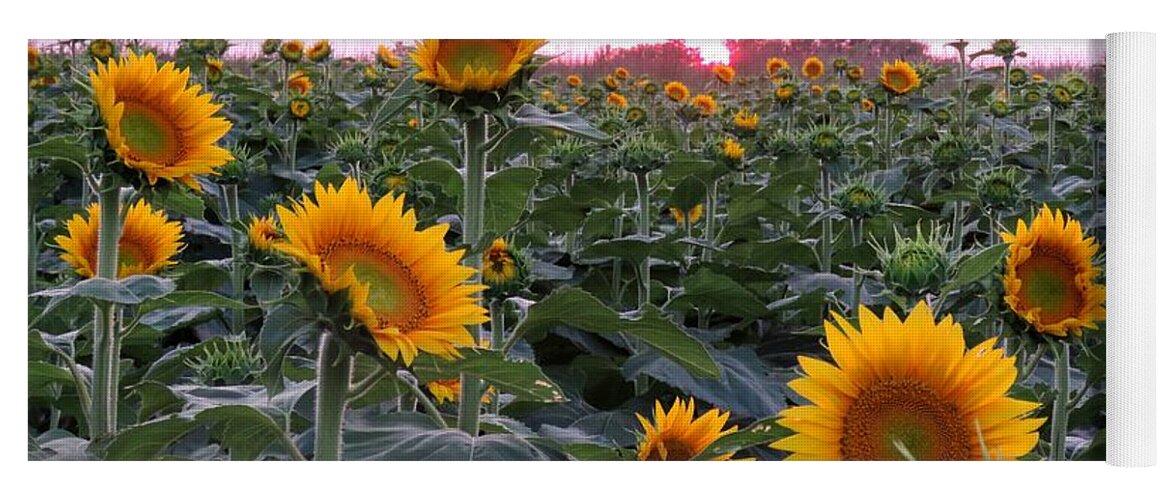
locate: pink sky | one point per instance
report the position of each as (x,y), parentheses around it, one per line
(1041,52)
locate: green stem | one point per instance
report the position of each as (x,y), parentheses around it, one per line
(232,216)
(104,415)
(334,364)
(857,234)
(429,407)
(644,230)
(496,310)
(957,221)
(1049,145)
(475,166)
(1060,421)
(827,228)
(616,272)
(292,155)
(33,248)
(709,220)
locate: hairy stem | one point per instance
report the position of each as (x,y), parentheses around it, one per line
(1060,421)
(475,167)
(104,414)
(334,364)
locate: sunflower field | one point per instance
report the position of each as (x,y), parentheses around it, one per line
(462,249)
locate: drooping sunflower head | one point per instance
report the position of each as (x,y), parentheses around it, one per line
(500,265)
(387,58)
(1050,279)
(774,65)
(101,49)
(270,46)
(404,286)
(855,73)
(1060,96)
(157,123)
(617,100)
(705,104)
(300,83)
(458,66)
(724,73)
(677,435)
(573,81)
(746,120)
(292,51)
(813,68)
(263,232)
(320,51)
(215,69)
(148,244)
(785,93)
(900,77)
(898,389)
(693,214)
(676,91)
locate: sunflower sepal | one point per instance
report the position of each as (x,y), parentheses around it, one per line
(471,105)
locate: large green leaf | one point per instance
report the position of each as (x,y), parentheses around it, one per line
(190,298)
(722,294)
(578,309)
(761,432)
(414,436)
(148,441)
(282,326)
(522,379)
(978,266)
(507,195)
(61,147)
(441,172)
(132,290)
(244,430)
(533,116)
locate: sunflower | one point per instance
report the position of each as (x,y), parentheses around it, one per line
(746,120)
(581,100)
(1049,277)
(476,65)
(724,73)
(574,81)
(867,105)
(292,50)
(215,69)
(1038,78)
(403,284)
(320,51)
(899,78)
(813,68)
(775,65)
(263,232)
(677,435)
(300,83)
(444,390)
(731,149)
(815,90)
(499,265)
(611,82)
(156,123)
(387,58)
(898,388)
(676,91)
(706,104)
(855,73)
(101,49)
(785,92)
(693,215)
(616,99)
(148,243)
(621,73)
(300,108)
(34,60)
(413,123)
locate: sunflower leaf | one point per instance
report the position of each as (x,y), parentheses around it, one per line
(508,194)
(761,432)
(533,116)
(522,379)
(978,266)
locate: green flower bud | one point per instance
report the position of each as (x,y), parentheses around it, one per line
(350,148)
(998,109)
(236,363)
(1060,96)
(825,143)
(1017,77)
(915,265)
(1000,189)
(860,200)
(950,153)
(270,46)
(1004,48)
(642,153)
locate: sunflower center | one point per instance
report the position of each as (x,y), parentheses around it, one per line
(908,414)
(897,80)
(150,135)
(397,297)
(674,450)
(455,55)
(131,255)
(1049,283)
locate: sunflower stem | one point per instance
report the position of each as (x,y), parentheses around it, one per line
(496,309)
(616,272)
(104,413)
(827,228)
(232,216)
(413,384)
(1049,145)
(334,364)
(644,230)
(709,220)
(857,233)
(1060,421)
(475,166)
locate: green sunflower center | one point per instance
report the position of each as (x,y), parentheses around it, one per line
(897,80)
(397,296)
(1049,283)
(455,55)
(905,414)
(150,135)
